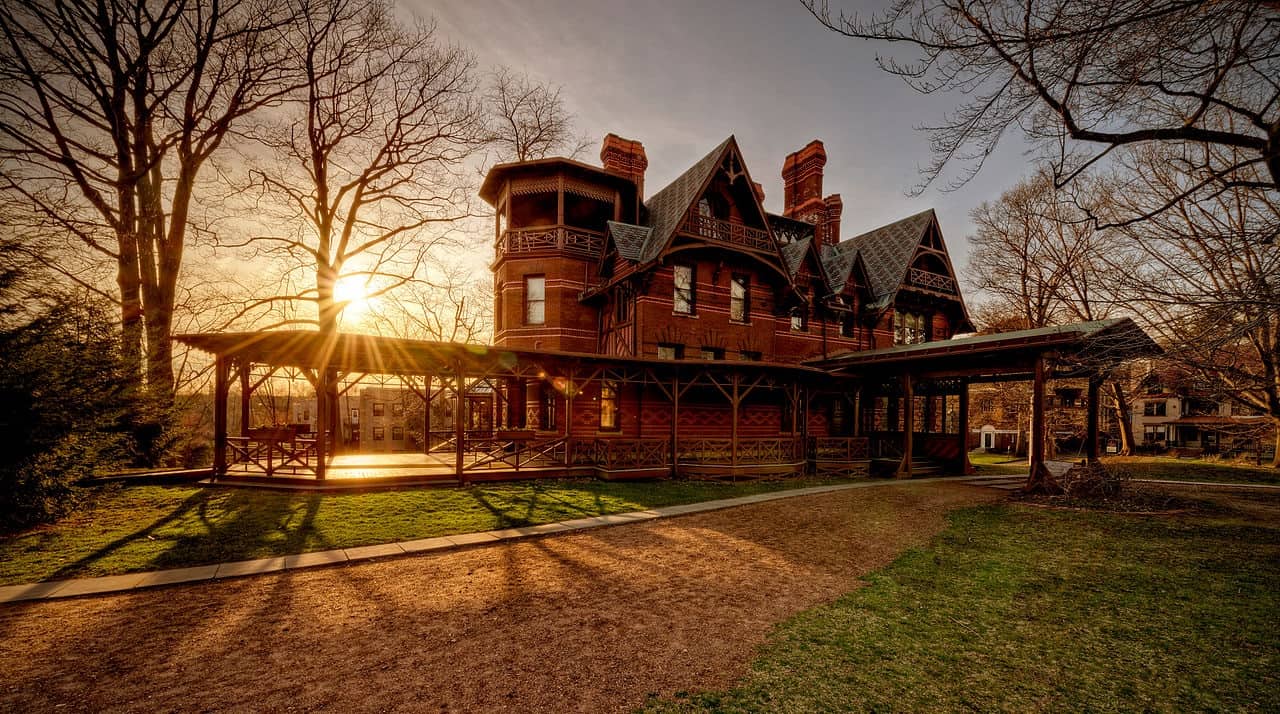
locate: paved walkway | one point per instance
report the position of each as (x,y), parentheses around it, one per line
(134,581)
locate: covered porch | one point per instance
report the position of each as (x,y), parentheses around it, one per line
(480,413)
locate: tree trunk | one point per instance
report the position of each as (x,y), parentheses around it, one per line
(1122,418)
(1275,457)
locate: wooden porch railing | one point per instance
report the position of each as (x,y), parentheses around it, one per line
(272,452)
(750,451)
(931,281)
(620,453)
(839,448)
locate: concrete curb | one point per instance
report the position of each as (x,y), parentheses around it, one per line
(57,589)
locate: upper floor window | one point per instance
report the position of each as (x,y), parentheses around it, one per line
(848,326)
(799,321)
(608,405)
(535,299)
(397,433)
(379,409)
(397,409)
(379,433)
(683,298)
(1154,408)
(740,298)
(670,351)
(909,328)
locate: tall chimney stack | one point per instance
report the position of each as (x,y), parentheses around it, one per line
(802,198)
(625,157)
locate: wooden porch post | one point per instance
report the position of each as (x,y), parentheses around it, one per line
(675,422)
(222,374)
(908,426)
(1036,469)
(324,405)
(426,414)
(245,394)
(963,418)
(459,421)
(734,432)
(1091,422)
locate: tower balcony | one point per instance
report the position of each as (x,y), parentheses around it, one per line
(721,231)
(550,240)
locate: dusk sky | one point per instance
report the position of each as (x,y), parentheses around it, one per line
(681,76)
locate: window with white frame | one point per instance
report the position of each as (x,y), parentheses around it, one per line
(535,299)
(683,297)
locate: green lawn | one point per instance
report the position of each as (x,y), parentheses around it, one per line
(1160,467)
(997,464)
(1021,609)
(128,529)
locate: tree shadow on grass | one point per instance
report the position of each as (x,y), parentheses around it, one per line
(251,525)
(195,501)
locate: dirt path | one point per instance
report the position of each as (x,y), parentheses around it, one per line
(592,621)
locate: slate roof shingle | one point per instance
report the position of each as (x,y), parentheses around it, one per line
(668,206)
(886,253)
(629,239)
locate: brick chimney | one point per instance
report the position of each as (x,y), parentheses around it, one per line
(802,182)
(626,158)
(759,189)
(835,206)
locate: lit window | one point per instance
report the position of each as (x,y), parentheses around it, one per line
(798,322)
(909,328)
(670,351)
(683,297)
(740,298)
(547,413)
(712,353)
(608,405)
(535,299)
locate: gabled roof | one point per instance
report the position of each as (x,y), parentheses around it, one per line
(668,206)
(793,254)
(629,239)
(788,230)
(838,261)
(887,252)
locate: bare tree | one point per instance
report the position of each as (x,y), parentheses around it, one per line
(528,120)
(366,172)
(1039,261)
(1206,277)
(109,112)
(449,304)
(1082,78)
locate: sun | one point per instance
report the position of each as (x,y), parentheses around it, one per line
(353,294)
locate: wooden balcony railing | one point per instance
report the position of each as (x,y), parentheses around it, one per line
(931,281)
(561,239)
(726,232)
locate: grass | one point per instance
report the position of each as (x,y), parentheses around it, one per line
(136,528)
(1021,609)
(1161,467)
(997,464)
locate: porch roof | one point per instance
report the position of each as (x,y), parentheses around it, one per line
(375,354)
(1100,344)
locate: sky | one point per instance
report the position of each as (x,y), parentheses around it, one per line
(681,75)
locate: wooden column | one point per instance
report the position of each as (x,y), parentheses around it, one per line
(221,388)
(908,426)
(675,422)
(1035,466)
(963,426)
(245,394)
(426,414)
(325,403)
(733,434)
(1091,422)
(459,421)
